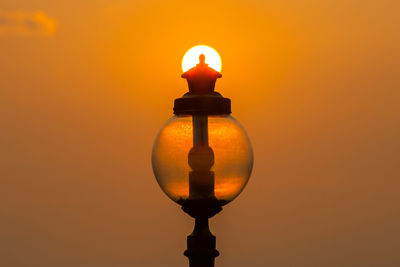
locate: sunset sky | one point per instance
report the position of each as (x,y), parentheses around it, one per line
(85,87)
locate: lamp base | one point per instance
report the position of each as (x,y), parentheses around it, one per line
(201,208)
(201,245)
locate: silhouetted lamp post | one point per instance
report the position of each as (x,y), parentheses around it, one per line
(202,158)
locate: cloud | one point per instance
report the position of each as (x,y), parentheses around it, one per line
(26,23)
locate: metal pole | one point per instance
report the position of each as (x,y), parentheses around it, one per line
(202,203)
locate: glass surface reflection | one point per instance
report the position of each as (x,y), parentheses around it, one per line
(231,164)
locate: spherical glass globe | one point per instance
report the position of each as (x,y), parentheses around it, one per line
(232,164)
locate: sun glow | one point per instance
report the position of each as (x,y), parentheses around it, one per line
(191,58)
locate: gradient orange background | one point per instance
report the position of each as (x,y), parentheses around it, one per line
(86,85)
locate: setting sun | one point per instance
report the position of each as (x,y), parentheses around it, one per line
(191,58)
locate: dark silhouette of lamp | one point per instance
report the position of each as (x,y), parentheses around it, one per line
(202,158)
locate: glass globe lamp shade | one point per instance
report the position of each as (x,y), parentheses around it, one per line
(231,164)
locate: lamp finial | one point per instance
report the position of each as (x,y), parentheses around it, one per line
(202,59)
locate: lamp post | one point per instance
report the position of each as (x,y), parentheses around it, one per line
(202,158)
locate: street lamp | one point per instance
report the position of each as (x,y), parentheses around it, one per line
(202,157)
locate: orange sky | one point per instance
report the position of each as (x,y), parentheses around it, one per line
(86,85)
